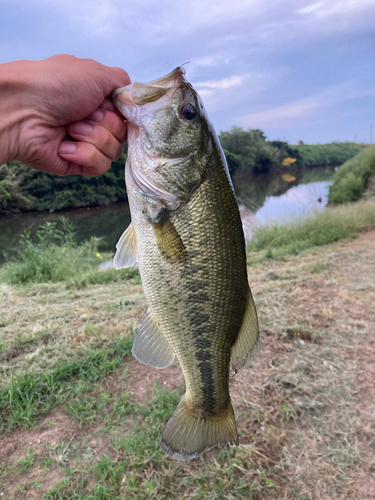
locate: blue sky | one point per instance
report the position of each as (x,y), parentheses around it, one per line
(295,69)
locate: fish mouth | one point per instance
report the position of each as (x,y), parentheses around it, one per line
(172,79)
(139,94)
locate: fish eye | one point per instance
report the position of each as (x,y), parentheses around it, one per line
(188,112)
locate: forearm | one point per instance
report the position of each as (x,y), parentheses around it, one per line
(15,86)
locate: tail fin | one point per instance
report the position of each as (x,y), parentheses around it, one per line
(187,434)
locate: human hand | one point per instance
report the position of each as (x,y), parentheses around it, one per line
(46,103)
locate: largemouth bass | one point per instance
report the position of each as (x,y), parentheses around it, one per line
(186,235)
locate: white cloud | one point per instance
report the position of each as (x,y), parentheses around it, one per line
(310,8)
(279,117)
(225,83)
(205,93)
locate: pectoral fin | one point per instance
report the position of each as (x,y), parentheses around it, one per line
(247,344)
(126,249)
(150,346)
(169,241)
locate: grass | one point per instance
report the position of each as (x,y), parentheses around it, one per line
(350,180)
(333,224)
(29,397)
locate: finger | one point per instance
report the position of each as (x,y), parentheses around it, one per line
(74,169)
(111,121)
(85,155)
(109,106)
(98,136)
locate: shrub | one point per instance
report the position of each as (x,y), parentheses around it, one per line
(350,180)
(54,257)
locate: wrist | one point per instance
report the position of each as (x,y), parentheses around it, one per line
(14,109)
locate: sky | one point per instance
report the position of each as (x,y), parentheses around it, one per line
(298,70)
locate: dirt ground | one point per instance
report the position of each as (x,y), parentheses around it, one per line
(306,409)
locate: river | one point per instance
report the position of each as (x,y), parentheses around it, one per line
(263,198)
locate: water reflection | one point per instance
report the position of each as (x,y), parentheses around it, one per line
(107,223)
(298,201)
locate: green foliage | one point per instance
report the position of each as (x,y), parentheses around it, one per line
(350,180)
(282,150)
(248,150)
(334,153)
(324,227)
(26,462)
(233,161)
(12,176)
(24,188)
(55,256)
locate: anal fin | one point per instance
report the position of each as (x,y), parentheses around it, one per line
(126,249)
(150,346)
(247,343)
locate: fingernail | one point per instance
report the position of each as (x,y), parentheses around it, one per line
(96,116)
(67,147)
(81,128)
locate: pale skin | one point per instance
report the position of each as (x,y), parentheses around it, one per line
(56,115)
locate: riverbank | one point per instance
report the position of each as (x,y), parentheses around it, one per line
(81,419)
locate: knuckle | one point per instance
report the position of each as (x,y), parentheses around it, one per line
(119,152)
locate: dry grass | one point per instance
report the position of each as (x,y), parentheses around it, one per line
(48,322)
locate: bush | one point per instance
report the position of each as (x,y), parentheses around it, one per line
(247,150)
(350,180)
(24,188)
(54,257)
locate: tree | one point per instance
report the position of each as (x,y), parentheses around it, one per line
(250,148)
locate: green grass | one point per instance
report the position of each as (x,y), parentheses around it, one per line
(333,224)
(30,397)
(26,462)
(350,180)
(56,257)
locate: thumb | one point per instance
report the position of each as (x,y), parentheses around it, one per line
(118,78)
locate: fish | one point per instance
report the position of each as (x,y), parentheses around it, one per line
(186,236)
